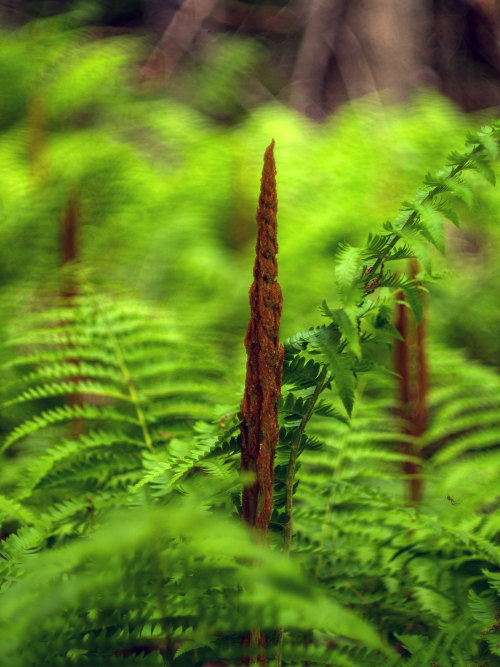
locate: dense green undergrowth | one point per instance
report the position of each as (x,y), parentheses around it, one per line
(120,505)
(121,541)
(167,176)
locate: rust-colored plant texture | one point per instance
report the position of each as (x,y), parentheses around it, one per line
(259,409)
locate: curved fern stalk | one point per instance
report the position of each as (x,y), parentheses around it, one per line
(130,384)
(294,451)
(70,225)
(421,221)
(425,213)
(259,410)
(361,271)
(289,486)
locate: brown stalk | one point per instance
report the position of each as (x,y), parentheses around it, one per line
(411,365)
(37,141)
(70,224)
(259,410)
(422,384)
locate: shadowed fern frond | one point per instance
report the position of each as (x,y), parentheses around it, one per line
(110,381)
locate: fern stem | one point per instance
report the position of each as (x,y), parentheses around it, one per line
(290,475)
(131,387)
(70,226)
(456,170)
(294,451)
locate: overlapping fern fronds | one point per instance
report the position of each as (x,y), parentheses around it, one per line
(427,579)
(196,583)
(119,388)
(392,564)
(109,381)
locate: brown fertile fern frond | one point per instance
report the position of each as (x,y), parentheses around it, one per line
(420,419)
(69,253)
(259,410)
(411,367)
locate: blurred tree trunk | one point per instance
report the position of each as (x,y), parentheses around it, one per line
(354,47)
(321,53)
(466,40)
(177,39)
(387,48)
(323,18)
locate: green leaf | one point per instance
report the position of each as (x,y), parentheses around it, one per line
(460,190)
(414,299)
(341,366)
(483,166)
(420,247)
(382,321)
(432,220)
(484,139)
(349,260)
(301,340)
(410,288)
(451,215)
(347,326)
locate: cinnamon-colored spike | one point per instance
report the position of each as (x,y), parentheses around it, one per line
(259,409)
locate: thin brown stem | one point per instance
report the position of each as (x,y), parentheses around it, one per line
(411,218)
(292,462)
(131,387)
(294,451)
(411,367)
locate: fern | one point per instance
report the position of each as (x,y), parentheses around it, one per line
(349,527)
(114,533)
(154,553)
(108,355)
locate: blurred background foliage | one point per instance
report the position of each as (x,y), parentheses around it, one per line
(152,119)
(146,121)
(164,159)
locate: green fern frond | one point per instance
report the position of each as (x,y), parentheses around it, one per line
(341,367)
(348,261)
(154,550)
(67,413)
(66,389)
(300,372)
(301,340)
(13,510)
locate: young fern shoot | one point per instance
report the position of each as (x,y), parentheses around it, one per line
(259,410)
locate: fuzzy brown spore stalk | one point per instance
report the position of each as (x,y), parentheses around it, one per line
(421,385)
(411,366)
(70,224)
(69,231)
(259,410)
